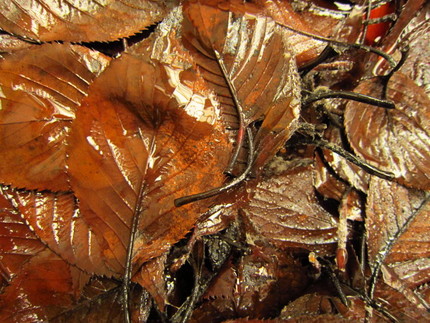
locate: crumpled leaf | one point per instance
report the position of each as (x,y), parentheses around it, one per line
(146,135)
(80,21)
(285,210)
(265,84)
(40,89)
(396,140)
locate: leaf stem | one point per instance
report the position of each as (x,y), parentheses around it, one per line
(128,267)
(236,181)
(241,131)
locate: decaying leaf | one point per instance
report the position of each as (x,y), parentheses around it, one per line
(80,21)
(284,210)
(40,90)
(396,140)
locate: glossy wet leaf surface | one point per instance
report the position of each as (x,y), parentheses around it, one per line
(213,98)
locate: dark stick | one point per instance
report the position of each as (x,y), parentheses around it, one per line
(350,157)
(236,181)
(350,96)
(376,51)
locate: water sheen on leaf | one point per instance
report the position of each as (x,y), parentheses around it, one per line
(40,90)
(80,21)
(258,64)
(284,209)
(396,140)
(146,135)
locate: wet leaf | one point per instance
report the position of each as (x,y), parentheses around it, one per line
(44,287)
(264,82)
(80,21)
(285,210)
(394,140)
(41,89)
(146,135)
(101,302)
(17,242)
(57,221)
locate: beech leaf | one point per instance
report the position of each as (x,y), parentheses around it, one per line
(40,89)
(396,140)
(284,210)
(146,135)
(80,21)
(245,57)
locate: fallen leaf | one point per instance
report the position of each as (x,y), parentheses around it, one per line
(41,88)
(395,140)
(80,21)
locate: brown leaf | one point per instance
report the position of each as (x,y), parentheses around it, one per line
(146,135)
(325,182)
(17,242)
(285,210)
(396,140)
(44,287)
(40,90)
(266,85)
(58,223)
(101,302)
(80,21)
(397,242)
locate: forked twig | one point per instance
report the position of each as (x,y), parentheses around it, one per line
(350,157)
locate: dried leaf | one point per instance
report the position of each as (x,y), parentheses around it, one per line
(284,209)
(395,140)
(325,182)
(266,84)
(40,90)
(146,135)
(80,21)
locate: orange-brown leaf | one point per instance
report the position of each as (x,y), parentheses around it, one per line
(40,89)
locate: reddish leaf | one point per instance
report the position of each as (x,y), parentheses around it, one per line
(152,277)
(44,287)
(146,135)
(395,140)
(40,90)
(325,183)
(101,302)
(285,210)
(80,21)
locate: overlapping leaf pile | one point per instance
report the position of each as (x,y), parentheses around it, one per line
(104,159)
